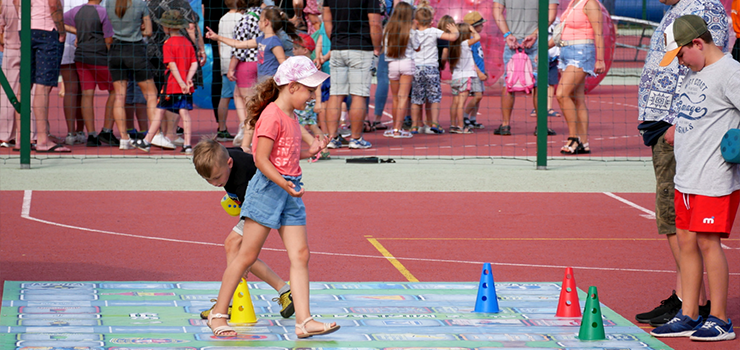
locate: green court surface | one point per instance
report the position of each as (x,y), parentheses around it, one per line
(165,316)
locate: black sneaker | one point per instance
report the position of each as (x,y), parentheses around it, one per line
(664,318)
(179,131)
(343,141)
(92,141)
(665,306)
(108,138)
(475,125)
(142,145)
(550,132)
(407,122)
(223,135)
(503,130)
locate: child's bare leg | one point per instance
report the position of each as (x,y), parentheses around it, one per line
(247,255)
(170,125)
(154,125)
(717,272)
(692,272)
(294,239)
(260,269)
(186,126)
(108,119)
(415,115)
(433,113)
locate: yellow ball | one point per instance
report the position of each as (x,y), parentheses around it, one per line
(230,206)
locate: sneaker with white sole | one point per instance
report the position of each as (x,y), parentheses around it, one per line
(360,143)
(714,329)
(80,137)
(187,149)
(126,144)
(239,137)
(679,326)
(179,141)
(71,139)
(334,144)
(162,141)
(143,145)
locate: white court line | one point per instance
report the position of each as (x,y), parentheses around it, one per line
(650,213)
(27,200)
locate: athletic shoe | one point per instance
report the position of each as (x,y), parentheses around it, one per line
(286,302)
(126,144)
(160,140)
(239,137)
(664,318)
(424,130)
(71,139)
(179,131)
(111,139)
(714,329)
(334,143)
(223,135)
(550,132)
(179,141)
(80,137)
(187,149)
(670,305)
(407,121)
(143,145)
(679,326)
(503,130)
(93,141)
(475,125)
(359,144)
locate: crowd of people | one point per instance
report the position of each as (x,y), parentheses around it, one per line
(126,47)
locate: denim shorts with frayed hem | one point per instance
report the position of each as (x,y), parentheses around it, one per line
(580,56)
(271,206)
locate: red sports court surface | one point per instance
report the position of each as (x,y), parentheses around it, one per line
(609,239)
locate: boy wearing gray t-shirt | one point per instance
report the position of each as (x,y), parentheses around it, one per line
(707,187)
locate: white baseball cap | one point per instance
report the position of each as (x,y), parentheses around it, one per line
(301,70)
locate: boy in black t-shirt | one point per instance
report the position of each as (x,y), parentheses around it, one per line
(232,169)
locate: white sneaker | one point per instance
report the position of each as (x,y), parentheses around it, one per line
(239,136)
(179,141)
(126,144)
(160,140)
(71,139)
(81,137)
(424,129)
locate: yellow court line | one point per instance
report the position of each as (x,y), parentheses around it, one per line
(521,239)
(397,264)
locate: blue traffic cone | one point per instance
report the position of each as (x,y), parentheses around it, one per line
(487,300)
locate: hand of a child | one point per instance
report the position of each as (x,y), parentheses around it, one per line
(317,62)
(185,89)
(320,141)
(451,27)
(210,34)
(291,189)
(482,76)
(190,85)
(231,75)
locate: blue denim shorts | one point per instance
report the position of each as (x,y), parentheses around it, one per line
(227,87)
(46,57)
(580,56)
(271,206)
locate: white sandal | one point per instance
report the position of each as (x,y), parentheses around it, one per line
(302,327)
(219,331)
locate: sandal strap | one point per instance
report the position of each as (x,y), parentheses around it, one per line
(216,315)
(222,329)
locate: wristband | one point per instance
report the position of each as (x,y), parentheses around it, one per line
(507,34)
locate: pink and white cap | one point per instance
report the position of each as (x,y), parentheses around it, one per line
(301,70)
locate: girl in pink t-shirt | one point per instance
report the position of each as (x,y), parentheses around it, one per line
(273,198)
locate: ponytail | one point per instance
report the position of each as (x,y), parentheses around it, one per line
(264,93)
(279,20)
(121,7)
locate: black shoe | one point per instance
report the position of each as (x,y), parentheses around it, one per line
(407,122)
(142,145)
(223,135)
(550,132)
(92,141)
(704,310)
(179,131)
(665,307)
(109,138)
(343,141)
(503,130)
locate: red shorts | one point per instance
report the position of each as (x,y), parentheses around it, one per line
(90,76)
(698,213)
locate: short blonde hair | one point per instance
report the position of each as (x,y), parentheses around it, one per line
(424,15)
(208,154)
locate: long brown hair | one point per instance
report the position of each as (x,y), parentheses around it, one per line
(455,46)
(398,30)
(279,20)
(264,93)
(121,7)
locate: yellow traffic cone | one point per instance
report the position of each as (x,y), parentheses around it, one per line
(242,310)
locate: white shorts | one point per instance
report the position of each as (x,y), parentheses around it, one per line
(401,67)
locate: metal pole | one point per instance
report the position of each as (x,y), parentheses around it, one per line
(542,68)
(25,126)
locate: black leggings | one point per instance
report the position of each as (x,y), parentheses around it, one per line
(216,80)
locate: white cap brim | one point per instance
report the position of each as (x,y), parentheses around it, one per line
(314,79)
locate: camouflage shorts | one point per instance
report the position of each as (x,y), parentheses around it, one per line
(664,164)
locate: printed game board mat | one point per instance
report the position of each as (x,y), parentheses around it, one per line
(389,316)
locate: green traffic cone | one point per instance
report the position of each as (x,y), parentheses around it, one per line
(592,326)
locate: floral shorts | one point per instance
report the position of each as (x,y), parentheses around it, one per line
(460,85)
(426,86)
(307,116)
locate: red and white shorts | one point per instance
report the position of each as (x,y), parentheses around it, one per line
(698,213)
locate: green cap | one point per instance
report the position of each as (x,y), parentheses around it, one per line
(680,33)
